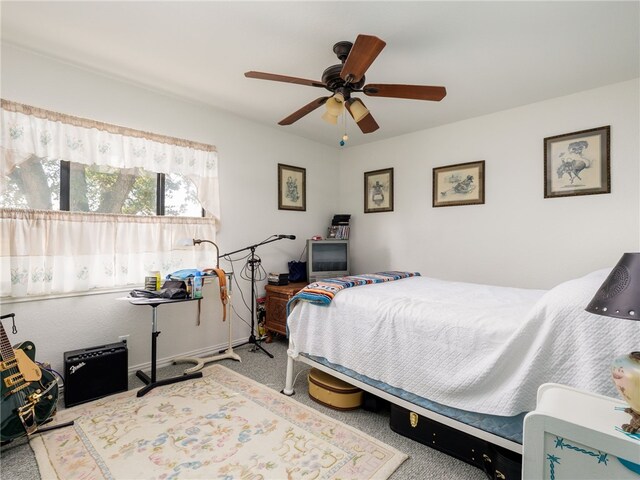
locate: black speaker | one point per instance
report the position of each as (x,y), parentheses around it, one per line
(92,373)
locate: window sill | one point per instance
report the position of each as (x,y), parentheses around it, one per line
(98,291)
(38,298)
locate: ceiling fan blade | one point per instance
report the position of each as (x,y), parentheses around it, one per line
(308,108)
(413,92)
(360,58)
(284,78)
(367,123)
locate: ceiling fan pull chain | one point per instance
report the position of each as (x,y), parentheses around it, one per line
(345,137)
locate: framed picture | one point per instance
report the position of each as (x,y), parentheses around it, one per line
(292,188)
(577,163)
(378,191)
(461,184)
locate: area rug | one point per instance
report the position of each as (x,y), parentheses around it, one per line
(221,426)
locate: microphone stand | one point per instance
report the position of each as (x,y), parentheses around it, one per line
(252,264)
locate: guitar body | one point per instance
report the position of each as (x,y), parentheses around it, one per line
(29,394)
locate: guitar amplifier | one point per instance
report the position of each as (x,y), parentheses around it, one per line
(95,372)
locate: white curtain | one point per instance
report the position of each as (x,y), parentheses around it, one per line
(29,131)
(49,252)
(45,252)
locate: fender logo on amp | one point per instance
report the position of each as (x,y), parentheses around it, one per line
(74,368)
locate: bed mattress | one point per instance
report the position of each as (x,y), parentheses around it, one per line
(475,348)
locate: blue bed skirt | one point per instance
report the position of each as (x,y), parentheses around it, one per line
(506,427)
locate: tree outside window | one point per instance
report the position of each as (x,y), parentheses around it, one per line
(42,185)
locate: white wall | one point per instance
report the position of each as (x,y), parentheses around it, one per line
(249,155)
(517,238)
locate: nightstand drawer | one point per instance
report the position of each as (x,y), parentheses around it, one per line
(276,306)
(276,319)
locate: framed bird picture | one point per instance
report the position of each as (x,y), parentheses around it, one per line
(577,163)
(460,184)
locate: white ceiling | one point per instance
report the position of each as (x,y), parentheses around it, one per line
(490,56)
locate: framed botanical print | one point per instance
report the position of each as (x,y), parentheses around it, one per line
(577,163)
(378,191)
(292,186)
(460,184)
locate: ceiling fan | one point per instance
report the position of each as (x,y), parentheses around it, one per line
(346,78)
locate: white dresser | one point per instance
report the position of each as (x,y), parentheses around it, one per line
(575,435)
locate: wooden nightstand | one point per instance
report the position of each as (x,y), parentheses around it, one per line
(276,307)
(575,435)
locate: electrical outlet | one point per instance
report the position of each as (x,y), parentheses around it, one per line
(123,338)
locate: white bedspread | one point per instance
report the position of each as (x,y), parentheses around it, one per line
(474,347)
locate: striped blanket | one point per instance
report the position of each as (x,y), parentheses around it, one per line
(321,293)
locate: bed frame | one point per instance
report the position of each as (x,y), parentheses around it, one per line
(463,427)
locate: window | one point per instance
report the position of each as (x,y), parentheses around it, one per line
(115,208)
(180,197)
(33,184)
(52,185)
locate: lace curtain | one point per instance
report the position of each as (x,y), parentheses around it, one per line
(45,252)
(29,131)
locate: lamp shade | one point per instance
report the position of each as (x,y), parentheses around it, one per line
(358,110)
(335,104)
(332,119)
(619,295)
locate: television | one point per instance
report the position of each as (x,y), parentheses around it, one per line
(327,259)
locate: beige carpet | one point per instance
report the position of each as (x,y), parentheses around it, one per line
(222,426)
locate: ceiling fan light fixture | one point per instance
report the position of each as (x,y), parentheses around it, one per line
(332,119)
(358,110)
(335,105)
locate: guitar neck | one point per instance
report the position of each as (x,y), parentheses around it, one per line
(6,350)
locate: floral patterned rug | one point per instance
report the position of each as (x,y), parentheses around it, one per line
(221,426)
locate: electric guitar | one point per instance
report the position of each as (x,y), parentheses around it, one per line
(28,394)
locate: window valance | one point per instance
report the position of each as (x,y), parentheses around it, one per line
(28,131)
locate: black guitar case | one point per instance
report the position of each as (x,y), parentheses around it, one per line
(497,462)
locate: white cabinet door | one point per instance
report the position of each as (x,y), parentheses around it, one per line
(575,435)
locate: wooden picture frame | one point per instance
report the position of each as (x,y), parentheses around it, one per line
(378,191)
(459,184)
(577,163)
(292,188)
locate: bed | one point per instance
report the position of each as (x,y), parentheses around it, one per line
(466,355)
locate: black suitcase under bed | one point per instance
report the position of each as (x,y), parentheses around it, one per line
(497,462)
